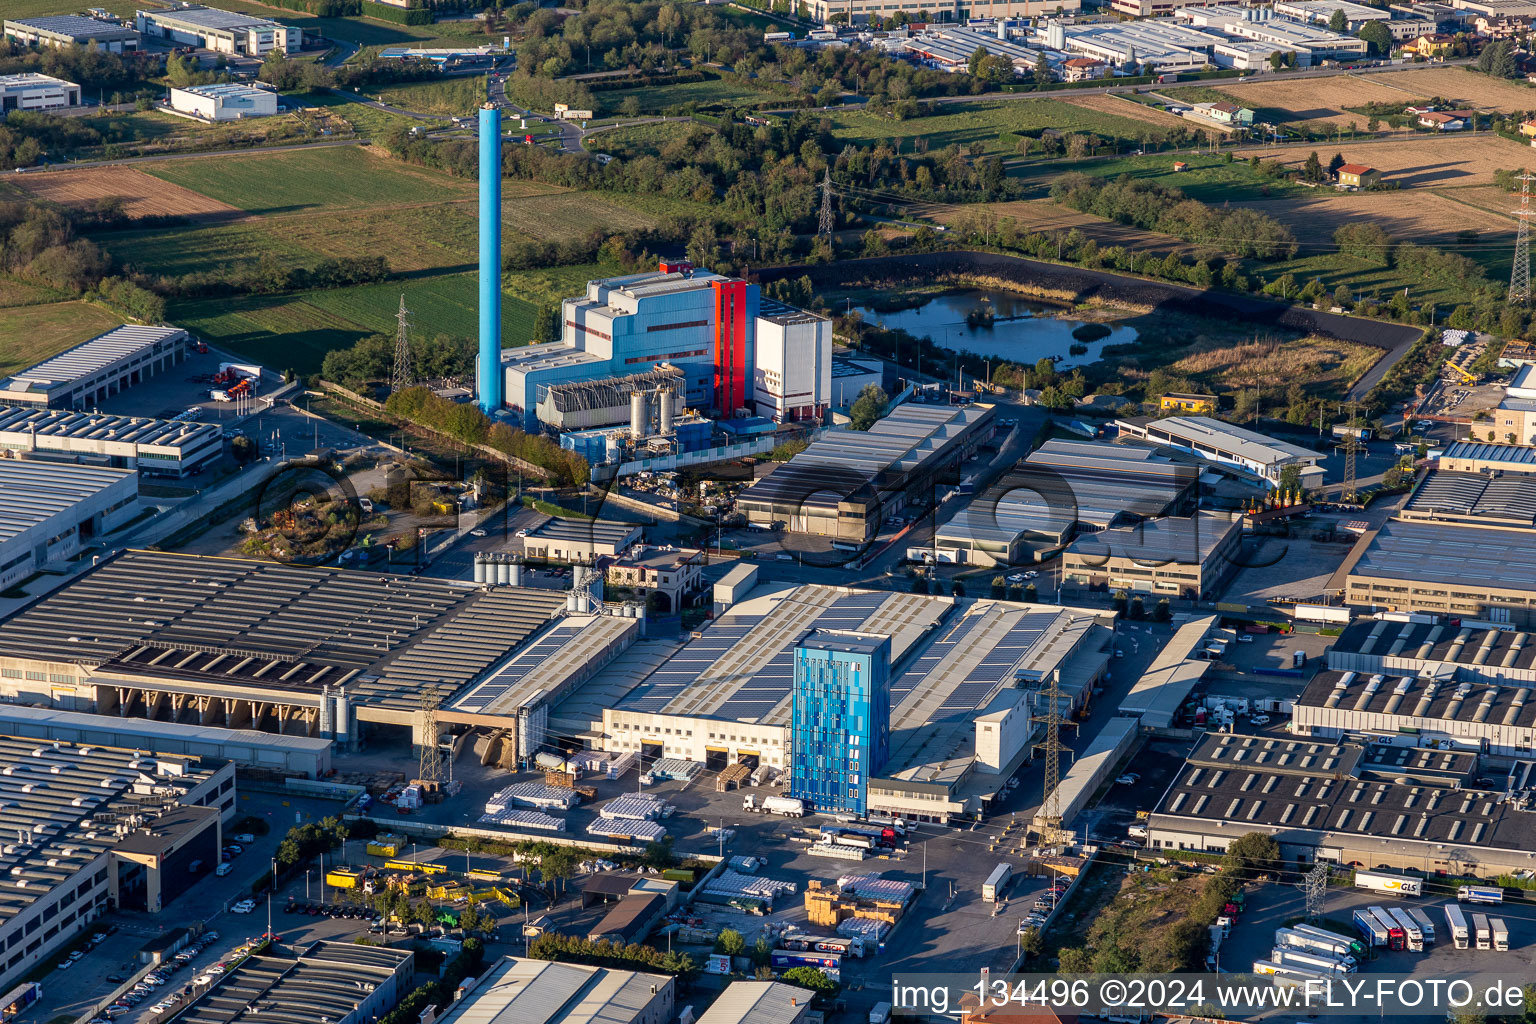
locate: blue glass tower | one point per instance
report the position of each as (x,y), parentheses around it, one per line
(840,725)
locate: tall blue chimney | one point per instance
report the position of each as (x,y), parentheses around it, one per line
(490,381)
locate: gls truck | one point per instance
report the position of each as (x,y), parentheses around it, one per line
(1391,885)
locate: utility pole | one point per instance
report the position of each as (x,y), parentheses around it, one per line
(1351,450)
(1048,820)
(826,221)
(404,374)
(431,766)
(1520,273)
(1314,886)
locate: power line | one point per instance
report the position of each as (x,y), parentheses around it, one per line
(404,374)
(1520,273)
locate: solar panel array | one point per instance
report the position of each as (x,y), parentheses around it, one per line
(983,679)
(767,686)
(1471,494)
(513,672)
(936,654)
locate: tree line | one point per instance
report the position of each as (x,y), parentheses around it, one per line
(468,424)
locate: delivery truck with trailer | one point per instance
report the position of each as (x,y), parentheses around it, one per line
(1413,938)
(997,883)
(790,807)
(1482,932)
(1500,933)
(1322,962)
(1396,938)
(1336,946)
(1289,974)
(1426,926)
(1390,885)
(1370,929)
(1456,924)
(1479,894)
(1356,948)
(829,964)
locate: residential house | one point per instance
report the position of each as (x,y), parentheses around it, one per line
(1444,120)
(1229,113)
(1528,128)
(1082,69)
(1359,176)
(671,573)
(1503,26)
(1177,402)
(1437,44)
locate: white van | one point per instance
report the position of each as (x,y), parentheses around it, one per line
(223,869)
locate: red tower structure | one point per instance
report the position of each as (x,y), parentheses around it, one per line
(730,346)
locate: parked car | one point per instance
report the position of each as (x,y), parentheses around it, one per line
(1259,720)
(1128,779)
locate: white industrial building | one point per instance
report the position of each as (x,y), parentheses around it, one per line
(66,30)
(792,374)
(228,101)
(1319,12)
(93,370)
(32,91)
(1312,43)
(221,31)
(152,446)
(106,827)
(1135,43)
(515,989)
(1228,445)
(48,510)
(860,11)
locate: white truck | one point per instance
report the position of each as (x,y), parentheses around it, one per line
(1336,946)
(1320,962)
(997,883)
(1482,932)
(789,806)
(880,1014)
(1426,926)
(1456,924)
(1392,885)
(1500,933)
(1410,927)
(1480,894)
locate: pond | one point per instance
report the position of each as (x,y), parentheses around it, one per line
(1020,330)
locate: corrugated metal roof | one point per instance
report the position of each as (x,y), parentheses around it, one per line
(759,1002)
(90,356)
(521,991)
(31,493)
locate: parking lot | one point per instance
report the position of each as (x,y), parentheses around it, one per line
(1273,906)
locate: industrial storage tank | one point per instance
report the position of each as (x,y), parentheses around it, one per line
(666,399)
(479,567)
(639,414)
(515,573)
(503,571)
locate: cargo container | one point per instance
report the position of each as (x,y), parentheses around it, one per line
(1355,948)
(1322,962)
(1500,933)
(1370,929)
(1482,931)
(1413,938)
(1338,945)
(997,883)
(1396,938)
(880,1013)
(1290,973)
(1426,926)
(1480,894)
(1456,924)
(1392,885)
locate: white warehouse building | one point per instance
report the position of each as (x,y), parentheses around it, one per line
(46,509)
(792,376)
(81,377)
(31,91)
(221,31)
(224,102)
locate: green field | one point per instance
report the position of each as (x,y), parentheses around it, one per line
(44,331)
(451,97)
(639,140)
(715,92)
(24,293)
(298,330)
(334,178)
(1210,179)
(367,121)
(996,125)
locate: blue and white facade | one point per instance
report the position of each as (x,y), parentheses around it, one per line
(628,325)
(840,724)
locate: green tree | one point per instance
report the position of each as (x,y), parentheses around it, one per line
(1042,71)
(1075,960)
(1031,944)
(973,65)
(868,407)
(1337,22)
(1290,478)
(1337,161)
(1379,38)
(762,951)
(730,942)
(813,978)
(1250,853)
(1312,170)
